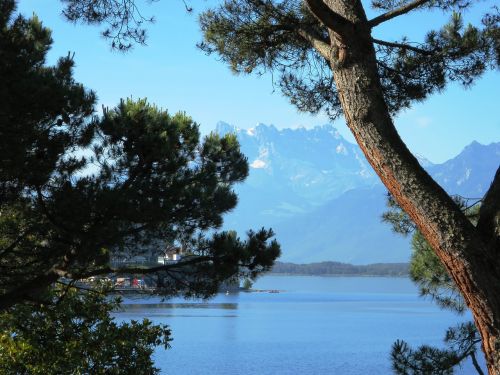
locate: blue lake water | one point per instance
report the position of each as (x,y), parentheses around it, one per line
(315,325)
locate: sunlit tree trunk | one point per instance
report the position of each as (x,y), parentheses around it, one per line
(471,255)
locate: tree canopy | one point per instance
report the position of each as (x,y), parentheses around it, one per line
(285,37)
(77,188)
(327,59)
(433,281)
(77,334)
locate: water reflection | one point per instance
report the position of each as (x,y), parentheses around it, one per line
(314,326)
(183,305)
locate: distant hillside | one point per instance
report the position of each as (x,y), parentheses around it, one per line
(320,195)
(347,228)
(345,269)
(471,172)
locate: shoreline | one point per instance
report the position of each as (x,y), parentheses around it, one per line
(332,275)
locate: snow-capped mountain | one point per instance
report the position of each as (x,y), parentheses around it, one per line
(323,199)
(315,164)
(470,173)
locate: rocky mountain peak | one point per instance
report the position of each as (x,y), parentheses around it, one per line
(315,189)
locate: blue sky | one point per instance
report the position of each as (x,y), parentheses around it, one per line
(172,73)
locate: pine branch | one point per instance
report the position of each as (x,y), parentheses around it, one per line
(23,291)
(396,12)
(402,46)
(476,364)
(134,270)
(328,17)
(489,214)
(319,45)
(5,251)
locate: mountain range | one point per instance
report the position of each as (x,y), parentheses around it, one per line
(322,198)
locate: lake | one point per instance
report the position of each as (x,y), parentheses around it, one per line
(315,325)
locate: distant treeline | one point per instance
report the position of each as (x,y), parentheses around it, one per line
(337,268)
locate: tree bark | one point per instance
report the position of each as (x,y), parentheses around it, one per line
(471,259)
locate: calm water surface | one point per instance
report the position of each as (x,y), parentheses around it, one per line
(315,325)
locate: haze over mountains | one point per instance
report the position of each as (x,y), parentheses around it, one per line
(320,195)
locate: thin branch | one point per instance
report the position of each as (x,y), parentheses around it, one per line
(45,210)
(319,45)
(12,246)
(182,282)
(402,46)
(132,270)
(476,364)
(72,284)
(67,287)
(188,8)
(328,17)
(396,12)
(23,291)
(489,214)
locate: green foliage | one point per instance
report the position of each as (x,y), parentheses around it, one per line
(461,342)
(399,220)
(388,5)
(259,35)
(254,35)
(456,52)
(432,279)
(277,35)
(77,188)
(247,284)
(75,333)
(223,257)
(282,36)
(426,270)
(124,21)
(32,141)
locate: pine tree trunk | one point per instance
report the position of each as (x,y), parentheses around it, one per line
(472,260)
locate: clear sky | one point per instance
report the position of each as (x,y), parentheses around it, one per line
(172,73)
